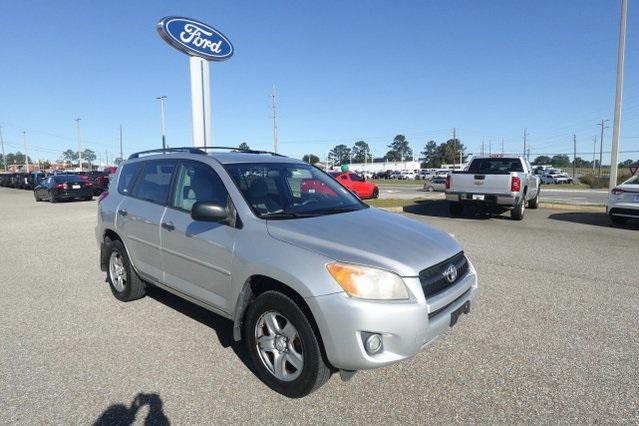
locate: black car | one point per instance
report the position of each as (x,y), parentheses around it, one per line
(63,187)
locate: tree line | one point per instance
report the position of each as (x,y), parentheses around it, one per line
(562,161)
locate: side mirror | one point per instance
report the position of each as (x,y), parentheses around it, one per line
(209,212)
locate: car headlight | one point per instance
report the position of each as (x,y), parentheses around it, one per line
(368,283)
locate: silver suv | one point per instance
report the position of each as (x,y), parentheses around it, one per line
(314,280)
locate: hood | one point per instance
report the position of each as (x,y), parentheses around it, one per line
(369,237)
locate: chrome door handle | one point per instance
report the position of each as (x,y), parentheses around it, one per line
(168,226)
(122,212)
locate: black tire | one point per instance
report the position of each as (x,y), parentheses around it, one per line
(518,212)
(88,198)
(133,287)
(314,373)
(52,198)
(534,203)
(617,220)
(375,193)
(456,209)
(35,195)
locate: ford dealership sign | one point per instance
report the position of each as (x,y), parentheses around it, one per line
(195,38)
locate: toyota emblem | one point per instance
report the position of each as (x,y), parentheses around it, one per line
(450,273)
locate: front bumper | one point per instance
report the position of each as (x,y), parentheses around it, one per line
(505,200)
(405,326)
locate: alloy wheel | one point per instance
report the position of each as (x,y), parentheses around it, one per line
(279,346)
(117,271)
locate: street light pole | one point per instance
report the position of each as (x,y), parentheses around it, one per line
(4,157)
(77,125)
(121,158)
(162,125)
(616,126)
(26,151)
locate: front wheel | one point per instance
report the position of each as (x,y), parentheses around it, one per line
(375,193)
(283,346)
(35,194)
(125,283)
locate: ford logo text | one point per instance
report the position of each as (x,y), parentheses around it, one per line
(195,38)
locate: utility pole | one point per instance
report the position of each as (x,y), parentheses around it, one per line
(574,155)
(482,147)
(456,143)
(594,153)
(26,150)
(162,124)
(525,141)
(106,157)
(490,147)
(38,157)
(616,124)
(4,157)
(274,106)
(601,141)
(121,157)
(77,124)
(502,146)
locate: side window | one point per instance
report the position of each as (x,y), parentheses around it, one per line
(127,178)
(197,182)
(155,181)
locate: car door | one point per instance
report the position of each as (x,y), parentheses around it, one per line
(140,213)
(197,256)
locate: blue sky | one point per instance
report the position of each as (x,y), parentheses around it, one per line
(345,71)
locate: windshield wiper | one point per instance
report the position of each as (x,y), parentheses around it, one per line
(334,210)
(285,215)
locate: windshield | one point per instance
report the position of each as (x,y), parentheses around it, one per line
(495,165)
(286,191)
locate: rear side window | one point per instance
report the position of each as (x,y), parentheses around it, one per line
(127,178)
(154,182)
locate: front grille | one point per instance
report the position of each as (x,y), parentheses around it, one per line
(433,279)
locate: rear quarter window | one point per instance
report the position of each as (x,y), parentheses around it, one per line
(127,177)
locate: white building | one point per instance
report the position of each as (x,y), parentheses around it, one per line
(379,166)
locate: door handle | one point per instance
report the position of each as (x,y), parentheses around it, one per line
(168,226)
(122,212)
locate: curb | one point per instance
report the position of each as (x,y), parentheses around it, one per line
(574,207)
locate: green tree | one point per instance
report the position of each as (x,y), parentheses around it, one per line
(542,159)
(310,158)
(361,152)
(561,161)
(70,155)
(581,163)
(430,155)
(340,154)
(45,164)
(244,145)
(18,158)
(88,156)
(625,163)
(448,152)
(399,149)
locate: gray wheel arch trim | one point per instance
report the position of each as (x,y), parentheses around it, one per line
(243,301)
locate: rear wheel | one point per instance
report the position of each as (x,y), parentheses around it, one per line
(518,212)
(35,195)
(125,283)
(88,198)
(618,220)
(283,346)
(375,193)
(52,197)
(456,208)
(534,203)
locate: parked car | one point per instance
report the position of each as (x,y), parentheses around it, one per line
(384,174)
(408,175)
(436,184)
(623,201)
(314,283)
(357,184)
(424,175)
(553,176)
(396,174)
(63,187)
(99,180)
(496,184)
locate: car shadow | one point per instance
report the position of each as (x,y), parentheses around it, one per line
(439,208)
(223,327)
(592,218)
(121,414)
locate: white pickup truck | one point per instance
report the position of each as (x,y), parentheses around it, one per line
(496,184)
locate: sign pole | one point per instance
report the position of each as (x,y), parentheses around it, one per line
(200,101)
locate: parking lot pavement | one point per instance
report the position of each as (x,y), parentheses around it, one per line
(549,194)
(553,336)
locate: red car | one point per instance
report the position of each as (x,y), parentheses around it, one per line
(356,184)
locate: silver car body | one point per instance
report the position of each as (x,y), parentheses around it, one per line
(624,200)
(213,265)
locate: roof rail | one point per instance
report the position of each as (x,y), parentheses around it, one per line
(236,149)
(190,150)
(200,150)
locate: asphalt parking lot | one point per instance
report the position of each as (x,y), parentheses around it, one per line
(553,336)
(562,194)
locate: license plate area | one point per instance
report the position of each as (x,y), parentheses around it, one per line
(75,186)
(463,309)
(478,197)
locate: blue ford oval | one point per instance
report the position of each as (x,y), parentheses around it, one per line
(195,38)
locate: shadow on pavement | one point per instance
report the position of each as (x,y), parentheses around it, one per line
(222,326)
(592,218)
(120,414)
(439,208)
